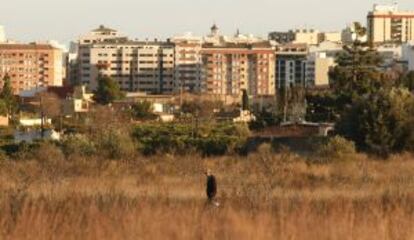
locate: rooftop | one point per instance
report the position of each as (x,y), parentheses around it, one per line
(29,46)
(102,28)
(263,44)
(126,41)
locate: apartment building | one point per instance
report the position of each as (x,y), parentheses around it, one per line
(2,34)
(388,24)
(138,66)
(304,36)
(188,63)
(317,67)
(31,65)
(330,37)
(290,65)
(230,68)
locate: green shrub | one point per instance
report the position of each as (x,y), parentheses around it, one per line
(336,149)
(115,144)
(183,138)
(77,144)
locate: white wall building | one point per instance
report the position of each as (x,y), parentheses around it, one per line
(408,54)
(2,34)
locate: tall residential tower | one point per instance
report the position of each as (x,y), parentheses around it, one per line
(388,24)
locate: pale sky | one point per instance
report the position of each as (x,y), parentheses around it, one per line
(65,20)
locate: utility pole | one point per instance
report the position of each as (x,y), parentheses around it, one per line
(42,117)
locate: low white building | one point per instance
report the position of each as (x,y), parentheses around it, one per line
(34,122)
(408,54)
(390,53)
(79,102)
(32,135)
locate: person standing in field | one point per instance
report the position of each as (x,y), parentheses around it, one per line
(211,188)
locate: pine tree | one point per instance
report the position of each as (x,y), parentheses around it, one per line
(108,91)
(380,122)
(7,95)
(375,113)
(357,71)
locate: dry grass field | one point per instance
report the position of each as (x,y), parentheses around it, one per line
(262,196)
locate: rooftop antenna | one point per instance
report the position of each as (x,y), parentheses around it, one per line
(395,4)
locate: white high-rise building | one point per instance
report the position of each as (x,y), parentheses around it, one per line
(388,24)
(2,34)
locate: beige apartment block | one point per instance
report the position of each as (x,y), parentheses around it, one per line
(335,37)
(138,66)
(230,68)
(307,36)
(188,64)
(317,69)
(388,24)
(31,65)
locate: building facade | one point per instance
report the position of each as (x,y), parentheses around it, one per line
(137,66)
(188,64)
(290,65)
(317,67)
(388,24)
(304,36)
(215,64)
(231,68)
(31,65)
(408,55)
(2,34)
(335,37)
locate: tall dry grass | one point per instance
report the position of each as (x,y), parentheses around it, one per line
(262,196)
